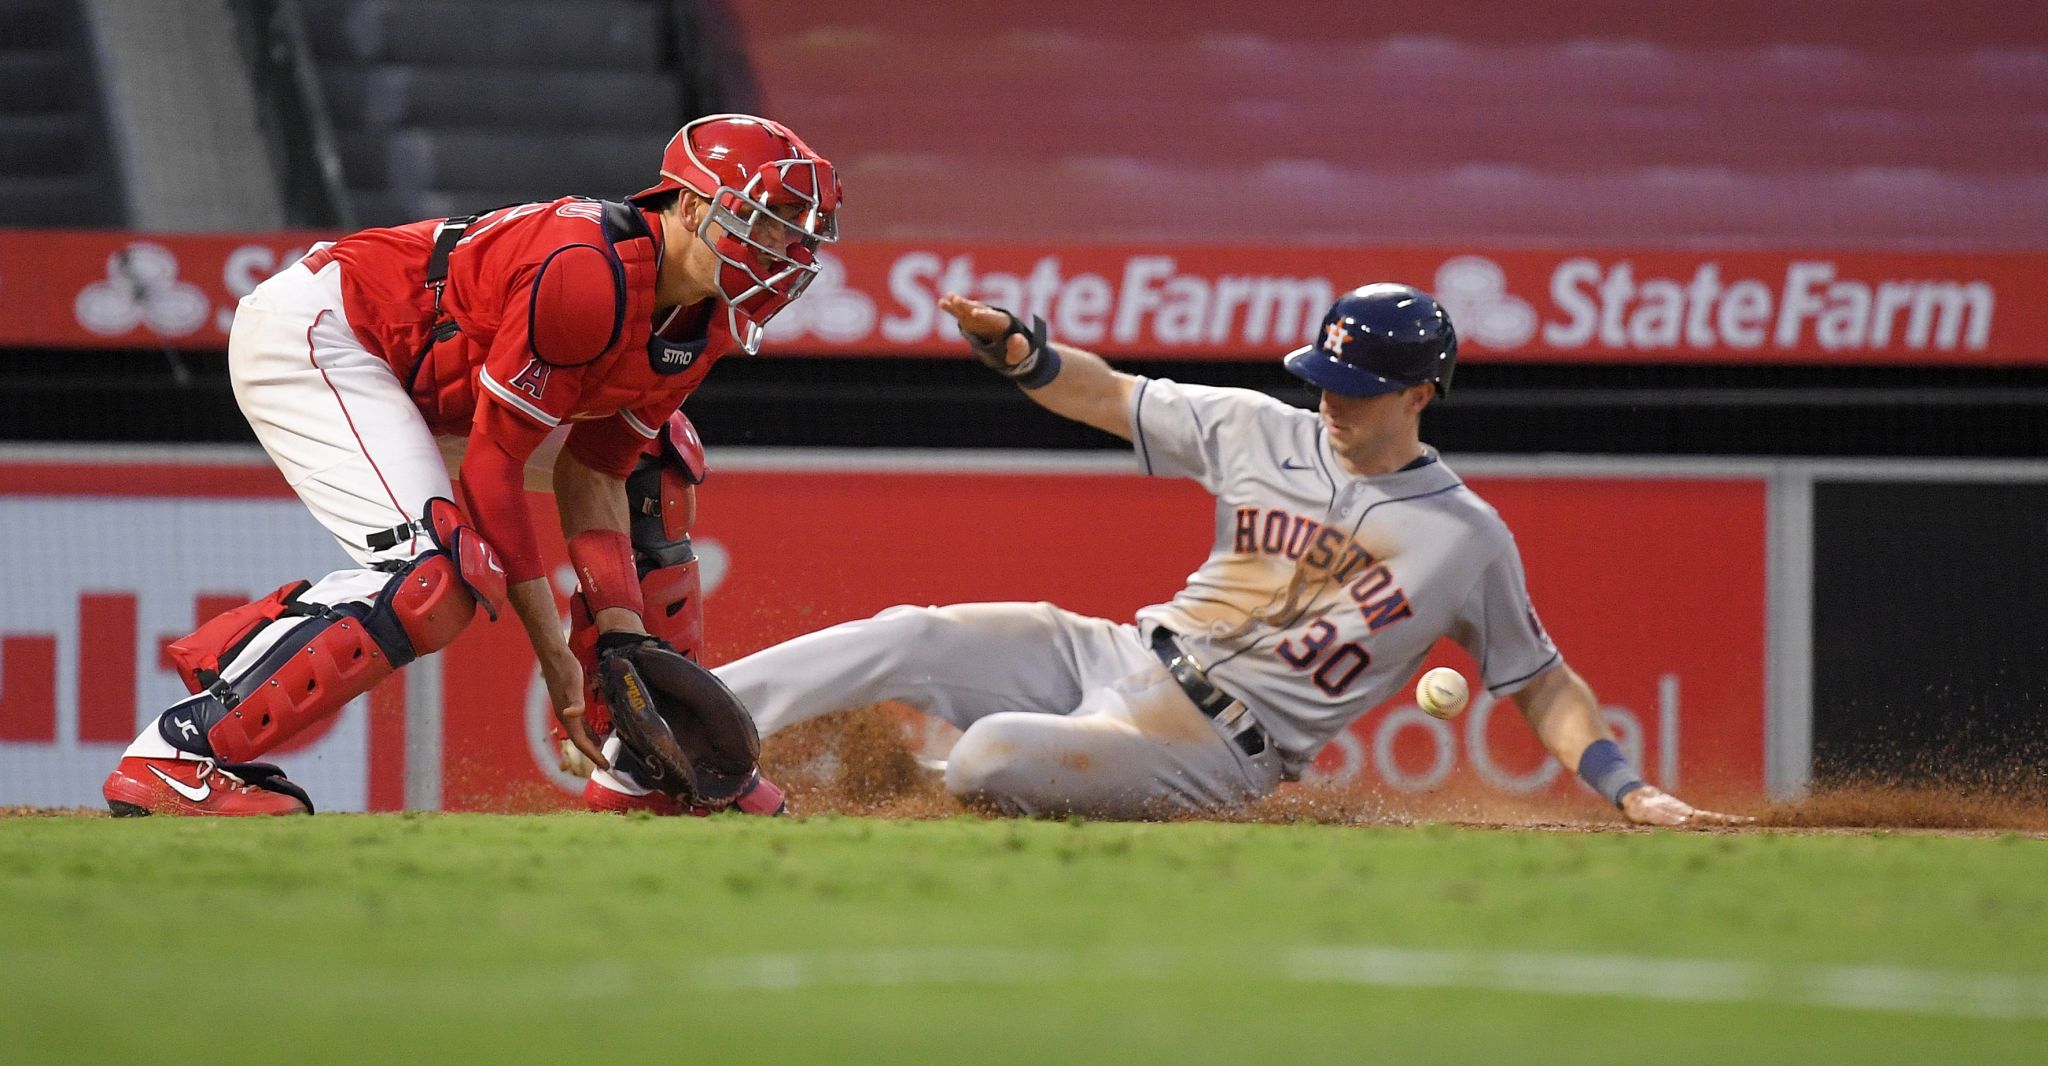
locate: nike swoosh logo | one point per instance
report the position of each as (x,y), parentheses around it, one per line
(196,795)
(1290,464)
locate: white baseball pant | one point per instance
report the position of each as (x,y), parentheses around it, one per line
(339,426)
(333,417)
(1062,713)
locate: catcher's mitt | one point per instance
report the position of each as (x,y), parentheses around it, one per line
(695,739)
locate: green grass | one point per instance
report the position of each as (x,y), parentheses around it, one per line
(571,938)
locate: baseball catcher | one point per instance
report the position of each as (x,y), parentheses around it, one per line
(577,323)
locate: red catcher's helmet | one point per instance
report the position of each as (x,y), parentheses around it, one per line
(775,201)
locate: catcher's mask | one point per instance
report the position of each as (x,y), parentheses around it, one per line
(773,200)
(694,738)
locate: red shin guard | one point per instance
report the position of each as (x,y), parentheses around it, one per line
(337,654)
(340,662)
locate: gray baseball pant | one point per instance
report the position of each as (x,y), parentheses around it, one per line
(1061,713)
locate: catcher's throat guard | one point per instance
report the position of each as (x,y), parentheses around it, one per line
(694,738)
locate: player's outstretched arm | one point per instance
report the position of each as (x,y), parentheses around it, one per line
(1562,709)
(1068,381)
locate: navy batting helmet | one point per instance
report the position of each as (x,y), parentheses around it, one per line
(1378,339)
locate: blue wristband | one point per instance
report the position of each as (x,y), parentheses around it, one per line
(1605,769)
(1047,368)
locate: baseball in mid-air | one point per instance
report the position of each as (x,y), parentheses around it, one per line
(1442,692)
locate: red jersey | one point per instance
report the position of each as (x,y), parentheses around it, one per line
(553,310)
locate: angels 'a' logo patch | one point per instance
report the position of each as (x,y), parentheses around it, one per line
(533,380)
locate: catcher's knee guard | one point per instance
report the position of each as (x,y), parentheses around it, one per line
(675,611)
(475,565)
(662,493)
(255,686)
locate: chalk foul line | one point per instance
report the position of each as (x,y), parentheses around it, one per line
(1673,980)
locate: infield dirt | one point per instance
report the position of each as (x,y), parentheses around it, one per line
(860,763)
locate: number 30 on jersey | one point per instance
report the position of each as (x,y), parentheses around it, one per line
(1334,672)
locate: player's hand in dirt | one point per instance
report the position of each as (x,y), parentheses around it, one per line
(984,325)
(1650,805)
(564,676)
(573,761)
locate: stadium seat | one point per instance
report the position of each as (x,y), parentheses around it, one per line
(451,106)
(583,34)
(1862,122)
(56,157)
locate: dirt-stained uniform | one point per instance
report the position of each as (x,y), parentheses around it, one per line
(1322,594)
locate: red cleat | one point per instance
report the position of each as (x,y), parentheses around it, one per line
(604,799)
(606,794)
(141,785)
(763,797)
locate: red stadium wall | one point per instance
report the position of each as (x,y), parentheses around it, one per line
(1660,603)
(1564,304)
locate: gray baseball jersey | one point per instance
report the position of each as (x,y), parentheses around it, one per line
(1324,592)
(1322,596)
